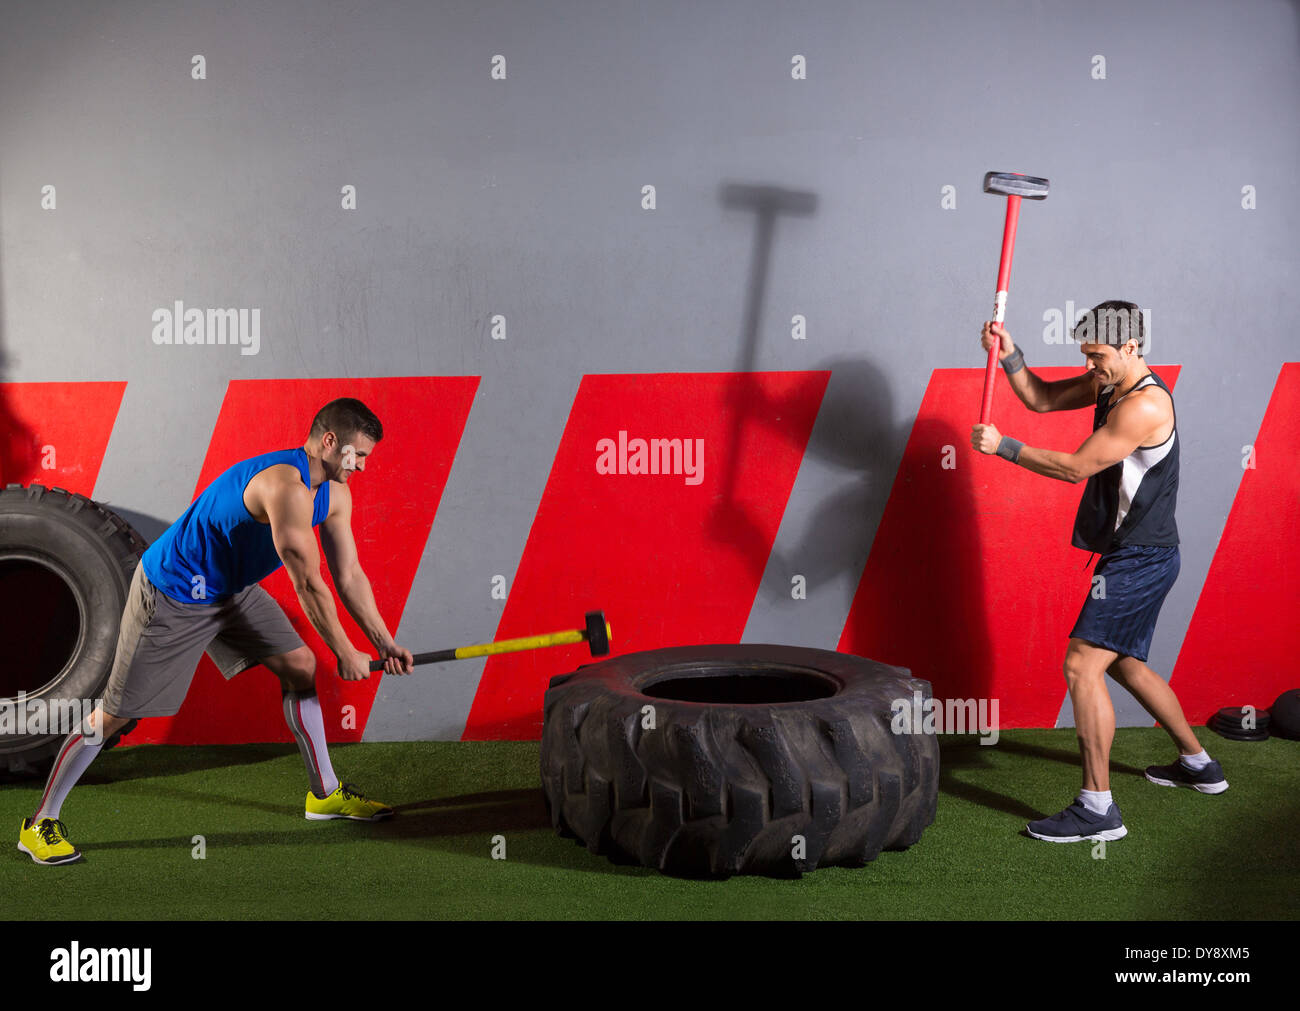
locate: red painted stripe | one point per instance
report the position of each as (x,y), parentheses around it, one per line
(971,581)
(1239,648)
(670,562)
(394,504)
(52,434)
(56,434)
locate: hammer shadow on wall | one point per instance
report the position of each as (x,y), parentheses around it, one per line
(18,457)
(856,435)
(924,608)
(730,522)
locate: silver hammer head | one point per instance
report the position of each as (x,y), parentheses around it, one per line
(1013,184)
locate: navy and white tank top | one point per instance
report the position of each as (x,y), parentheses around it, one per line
(1130,502)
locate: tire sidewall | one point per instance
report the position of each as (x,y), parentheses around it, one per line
(605,742)
(99,578)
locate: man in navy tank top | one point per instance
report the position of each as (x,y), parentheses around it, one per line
(1126,515)
(196,590)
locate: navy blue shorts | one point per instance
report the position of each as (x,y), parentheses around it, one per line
(1120,613)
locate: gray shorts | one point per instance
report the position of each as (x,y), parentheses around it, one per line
(161,640)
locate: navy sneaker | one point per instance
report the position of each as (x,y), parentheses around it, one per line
(1077,823)
(1208,780)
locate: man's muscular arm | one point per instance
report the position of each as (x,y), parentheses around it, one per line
(1129,425)
(1037,394)
(352,582)
(289,505)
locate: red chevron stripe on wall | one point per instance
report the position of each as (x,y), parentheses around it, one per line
(51,434)
(971,581)
(394,503)
(670,539)
(1239,648)
(55,434)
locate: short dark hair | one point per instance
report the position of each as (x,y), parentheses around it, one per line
(346,417)
(1114,323)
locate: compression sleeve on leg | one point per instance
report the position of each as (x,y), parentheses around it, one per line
(303,714)
(73,759)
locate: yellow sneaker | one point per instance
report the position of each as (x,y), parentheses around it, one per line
(47,843)
(345,802)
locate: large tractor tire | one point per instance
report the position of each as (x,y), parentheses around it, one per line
(718,760)
(65,568)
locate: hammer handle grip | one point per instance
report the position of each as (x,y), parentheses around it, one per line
(1000,304)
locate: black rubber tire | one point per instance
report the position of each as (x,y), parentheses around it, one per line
(95,552)
(1284,715)
(719,788)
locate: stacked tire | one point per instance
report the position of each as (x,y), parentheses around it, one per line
(65,569)
(719,760)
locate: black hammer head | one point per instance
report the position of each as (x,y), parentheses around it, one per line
(597,633)
(1013,184)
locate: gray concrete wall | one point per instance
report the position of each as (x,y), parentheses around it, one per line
(522,196)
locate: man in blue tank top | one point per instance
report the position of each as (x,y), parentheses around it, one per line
(196,590)
(1130,464)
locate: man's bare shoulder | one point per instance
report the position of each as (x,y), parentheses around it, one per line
(1153,397)
(278,487)
(1143,411)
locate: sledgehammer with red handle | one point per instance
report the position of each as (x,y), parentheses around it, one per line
(1014,187)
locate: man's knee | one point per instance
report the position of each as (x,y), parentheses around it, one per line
(104,724)
(297,670)
(1073,671)
(1079,668)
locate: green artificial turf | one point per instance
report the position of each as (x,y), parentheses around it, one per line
(136,813)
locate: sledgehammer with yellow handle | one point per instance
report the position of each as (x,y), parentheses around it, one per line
(597,635)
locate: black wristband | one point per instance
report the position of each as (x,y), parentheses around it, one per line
(1009,448)
(1013,362)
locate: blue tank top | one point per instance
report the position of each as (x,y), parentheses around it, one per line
(216,548)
